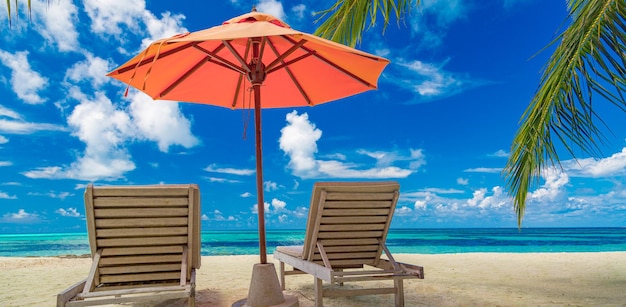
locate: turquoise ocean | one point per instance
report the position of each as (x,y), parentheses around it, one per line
(420,241)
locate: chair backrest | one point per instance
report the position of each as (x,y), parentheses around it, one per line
(351,221)
(142,232)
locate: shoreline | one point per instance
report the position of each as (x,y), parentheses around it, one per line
(474,279)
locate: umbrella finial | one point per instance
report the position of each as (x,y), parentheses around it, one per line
(254,8)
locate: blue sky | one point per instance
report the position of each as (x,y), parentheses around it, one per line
(441,122)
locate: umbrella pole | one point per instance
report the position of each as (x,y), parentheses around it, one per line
(259,173)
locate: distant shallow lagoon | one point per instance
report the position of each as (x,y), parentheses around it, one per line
(414,241)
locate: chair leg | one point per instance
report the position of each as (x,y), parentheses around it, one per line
(282,275)
(319,295)
(399,296)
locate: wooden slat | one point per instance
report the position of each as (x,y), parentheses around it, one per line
(142,250)
(140,212)
(139,202)
(136,222)
(336,256)
(349,234)
(353,212)
(335,242)
(144,241)
(358,196)
(139,277)
(358,204)
(134,191)
(349,262)
(354,220)
(351,248)
(351,227)
(131,269)
(140,232)
(114,290)
(124,260)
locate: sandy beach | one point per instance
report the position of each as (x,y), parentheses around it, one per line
(474,279)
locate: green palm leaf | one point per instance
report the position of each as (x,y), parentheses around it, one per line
(346,20)
(590,59)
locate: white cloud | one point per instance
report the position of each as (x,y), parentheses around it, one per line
(4,195)
(500,154)
(246,194)
(615,165)
(271,7)
(91,71)
(5,163)
(278,205)
(22,127)
(462,181)
(6,112)
(21,216)
(491,170)
(71,212)
(114,17)
(270,186)
(444,13)
(299,142)
(120,18)
(56,23)
(404,210)
(3,140)
(161,122)
(552,189)
(26,82)
(429,80)
(16,125)
(227,170)
(221,180)
(298,10)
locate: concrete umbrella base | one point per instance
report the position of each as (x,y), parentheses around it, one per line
(265,289)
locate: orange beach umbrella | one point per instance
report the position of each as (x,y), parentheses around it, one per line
(282,66)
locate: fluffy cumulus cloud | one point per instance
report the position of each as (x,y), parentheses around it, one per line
(26,82)
(271,7)
(119,19)
(161,122)
(69,212)
(615,165)
(298,141)
(89,72)
(56,23)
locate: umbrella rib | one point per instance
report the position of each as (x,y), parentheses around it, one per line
(325,60)
(280,59)
(291,76)
(150,59)
(237,56)
(220,60)
(240,81)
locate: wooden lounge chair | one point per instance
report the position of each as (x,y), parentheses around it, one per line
(345,237)
(145,245)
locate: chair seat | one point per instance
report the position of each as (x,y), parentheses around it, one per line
(295,250)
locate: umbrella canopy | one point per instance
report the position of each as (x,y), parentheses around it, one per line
(282,66)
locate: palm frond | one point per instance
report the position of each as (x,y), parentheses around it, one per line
(347,20)
(590,59)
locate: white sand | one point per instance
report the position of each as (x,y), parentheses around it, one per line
(475,279)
